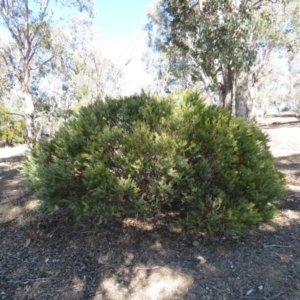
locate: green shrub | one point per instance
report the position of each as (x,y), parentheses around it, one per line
(230,182)
(113,159)
(12,128)
(141,155)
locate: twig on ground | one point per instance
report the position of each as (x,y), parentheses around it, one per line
(276,296)
(107,265)
(33,279)
(271,298)
(249,297)
(153,268)
(7,222)
(267,246)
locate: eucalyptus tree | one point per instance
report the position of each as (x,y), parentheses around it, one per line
(35,44)
(274,74)
(216,42)
(295,83)
(94,77)
(210,39)
(165,79)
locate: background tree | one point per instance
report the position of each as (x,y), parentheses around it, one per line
(216,42)
(274,72)
(94,77)
(209,39)
(295,84)
(35,45)
(12,127)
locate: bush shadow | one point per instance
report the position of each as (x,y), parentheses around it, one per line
(135,259)
(57,258)
(288,163)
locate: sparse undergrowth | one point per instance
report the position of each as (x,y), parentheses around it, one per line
(142,155)
(12,127)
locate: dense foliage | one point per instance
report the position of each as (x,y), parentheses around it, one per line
(207,41)
(230,176)
(223,48)
(142,155)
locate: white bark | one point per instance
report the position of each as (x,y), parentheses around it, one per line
(243,99)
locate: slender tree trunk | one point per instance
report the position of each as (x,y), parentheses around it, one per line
(226,88)
(227,99)
(29,115)
(243,99)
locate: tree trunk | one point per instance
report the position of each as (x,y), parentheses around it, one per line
(243,99)
(227,99)
(226,88)
(29,117)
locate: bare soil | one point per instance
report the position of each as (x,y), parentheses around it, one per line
(53,258)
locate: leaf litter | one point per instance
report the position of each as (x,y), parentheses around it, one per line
(53,258)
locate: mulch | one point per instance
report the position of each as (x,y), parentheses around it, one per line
(56,258)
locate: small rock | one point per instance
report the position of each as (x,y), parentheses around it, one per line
(261,288)
(196,243)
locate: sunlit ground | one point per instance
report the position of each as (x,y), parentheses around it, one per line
(287,138)
(7,152)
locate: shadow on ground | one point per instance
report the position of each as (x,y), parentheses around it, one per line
(53,258)
(290,164)
(12,159)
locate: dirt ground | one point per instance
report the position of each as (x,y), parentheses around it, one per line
(53,258)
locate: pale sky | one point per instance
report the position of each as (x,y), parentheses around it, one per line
(120,23)
(121,19)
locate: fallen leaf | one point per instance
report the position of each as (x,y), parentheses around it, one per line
(31,233)
(27,243)
(202,259)
(249,292)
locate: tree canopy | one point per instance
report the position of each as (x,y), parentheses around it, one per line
(216,42)
(36,44)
